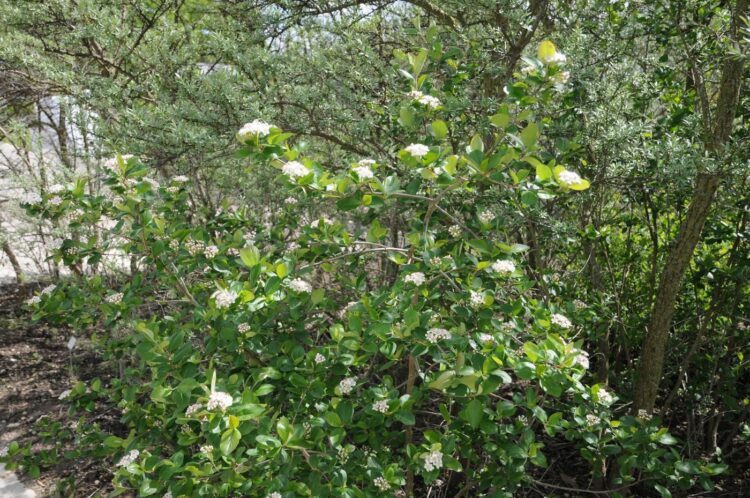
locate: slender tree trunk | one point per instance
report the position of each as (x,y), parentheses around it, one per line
(651,364)
(13,261)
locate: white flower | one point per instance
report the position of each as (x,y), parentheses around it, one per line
(129,458)
(592,419)
(299,285)
(55,201)
(294,169)
(154,184)
(168,494)
(417,150)
(194,408)
(416,278)
(181,179)
(56,188)
(556,58)
(562,77)
(455,231)
(290,201)
(604,397)
(113,164)
(579,305)
(381,484)
(275,494)
(568,177)
(243,327)
(503,266)
(363,172)
(644,415)
(380,406)
(31,198)
(64,394)
(114,298)
(224,298)
(366,162)
(582,358)
(433,460)
(429,101)
(72,343)
(220,400)
(49,289)
(319,358)
(476,299)
(255,127)
(561,321)
(325,219)
(211,251)
(207,449)
(486,216)
(436,334)
(173,189)
(33,300)
(347,385)
(486,338)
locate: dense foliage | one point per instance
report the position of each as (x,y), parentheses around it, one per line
(398,286)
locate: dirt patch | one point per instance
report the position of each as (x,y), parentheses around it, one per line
(36,369)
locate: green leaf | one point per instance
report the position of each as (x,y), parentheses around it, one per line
(439,129)
(501,120)
(546,50)
(250,256)
(472,413)
(317,295)
(530,135)
(229,441)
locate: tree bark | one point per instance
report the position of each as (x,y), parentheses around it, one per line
(651,364)
(13,261)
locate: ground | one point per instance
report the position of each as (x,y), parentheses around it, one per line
(35,369)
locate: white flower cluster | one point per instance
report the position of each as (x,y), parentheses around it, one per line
(295,169)
(561,321)
(582,358)
(503,266)
(604,397)
(243,328)
(49,289)
(154,184)
(220,400)
(486,216)
(416,278)
(31,198)
(579,305)
(129,458)
(181,179)
(319,358)
(347,385)
(486,338)
(556,58)
(55,201)
(476,299)
(592,419)
(56,188)
(192,409)
(433,460)
(455,231)
(290,201)
(210,252)
(195,246)
(64,394)
(381,484)
(417,150)
(114,298)
(425,100)
(33,300)
(224,298)
(255,127)
(380,406)
(275,494)
(436,334)
(363,172)
(207,449)
(569,178)
(299,285)
(644,415)
(366,162)
(112,163)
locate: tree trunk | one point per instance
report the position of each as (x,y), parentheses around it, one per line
(13,261)
(718,132)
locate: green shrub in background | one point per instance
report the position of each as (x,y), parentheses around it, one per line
(333,359)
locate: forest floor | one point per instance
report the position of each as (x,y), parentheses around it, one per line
(36,367)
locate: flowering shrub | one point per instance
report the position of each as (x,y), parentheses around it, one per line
(341,357)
